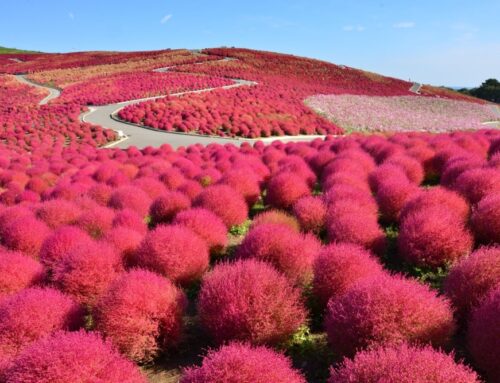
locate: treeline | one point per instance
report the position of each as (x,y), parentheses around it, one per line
(489,90)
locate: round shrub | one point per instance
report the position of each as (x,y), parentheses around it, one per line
(339,266)
(131,220)
(206,225)
(284,189)
(165,207)
(96,222)
(85,272)
(225,202)
(392,196)
(383,173)
(411,166)
(475,184)
(125,241)
(58,212)
(72,357)
(130,197)
(249,301)
(311,213)
(175,252)
(278,217)
(485,219)
(402,364)
(359,199)
(17,271)
(432,238)
(241,363)
(34,313)
(483,335)
(25,234)
(60,242)
(290,252)
(473,278)
(384,310)
(153,307)
(245,182)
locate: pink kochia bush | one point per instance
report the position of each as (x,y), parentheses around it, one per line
(32,314)
(60,242)
(225,202)
(475,184)
(85,272)
(18,271)
(483,335)
(433,237)
(290,252)
(153,307)
(285,188)
(25,234)
(278,217)
(58,212)
(249,301)
(205,224)
(72,357)
(392,196)
(339,266)
(387,309)
(166,206)
(470,280)
(241,363)
(485,220)
(311,213)
(174,251)
(125,241)
(130,197)
(402,364)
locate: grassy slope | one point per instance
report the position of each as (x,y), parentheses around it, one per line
(4,50)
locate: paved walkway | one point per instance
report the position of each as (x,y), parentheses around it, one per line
(53,92)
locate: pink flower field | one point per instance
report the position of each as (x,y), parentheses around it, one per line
(402,113)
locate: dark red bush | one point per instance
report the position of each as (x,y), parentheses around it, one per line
(412,167)
(166,206)
(477,183)
(125,241)
(58,212)
(96,222)
(18,271)
(402,364)
(311,213)
(392,196)
(153,307)
(245,182)
(174,251)
(384,310)
(25,234)
(243,364)
(284,189)
(130,197)
(250,301)
(131,220)
(72,357)
(485,219)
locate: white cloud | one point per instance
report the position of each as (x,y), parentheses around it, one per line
(353,28)
(71,15)
(165,19)
(404,24)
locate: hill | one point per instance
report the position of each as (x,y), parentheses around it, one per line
(5,50)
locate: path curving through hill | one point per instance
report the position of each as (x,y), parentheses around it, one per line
(53,92)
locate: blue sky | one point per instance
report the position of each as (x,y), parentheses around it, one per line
(448,42)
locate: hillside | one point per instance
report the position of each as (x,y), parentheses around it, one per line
(4,50)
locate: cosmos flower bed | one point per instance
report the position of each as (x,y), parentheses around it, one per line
(124,87)
(399,114)
(249,111)
(368,226)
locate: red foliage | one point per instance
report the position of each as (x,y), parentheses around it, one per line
(338,267)
(25,234)
(32,314)
(174,251)
(433,237)
(475,184)
(131,220)
(473,278)
(86,271)
(482,335)
(392,196)
(285,188)
(243,364)
(402,364)
(153,307)
(165,207)
(58,212)
(206,225)
(485,219)
(72,357)
(60,242)
(125,241)
(311,213)
(249,301)
(412,167)
(225,202)
(96,222)
(243,181)
(386,310)
(17,272)
(130,197)
(278,217)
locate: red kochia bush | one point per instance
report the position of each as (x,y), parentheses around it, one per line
(25,234)
(290,252)
(392,195)
(205,224)
(485,219)
(58,212)
(17,271)
(96,222)
(175,252)
(402,364)
(483,335)
(224,201)
(339,266)
(130,197)
(85,272)
(285,188)
(387,309)
(153,307)
(412,167)
(131,220)
(475,184)
(61,241)
(165,207)
(311,213)
(433,237)
(241,363)
(473,278)
(32,314)
(125,241)
(279,217)
(245,182)
(250,301)
(72,357)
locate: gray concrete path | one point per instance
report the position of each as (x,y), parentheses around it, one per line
(415,88)
(53,92)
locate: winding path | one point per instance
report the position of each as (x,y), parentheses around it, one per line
(140,136)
